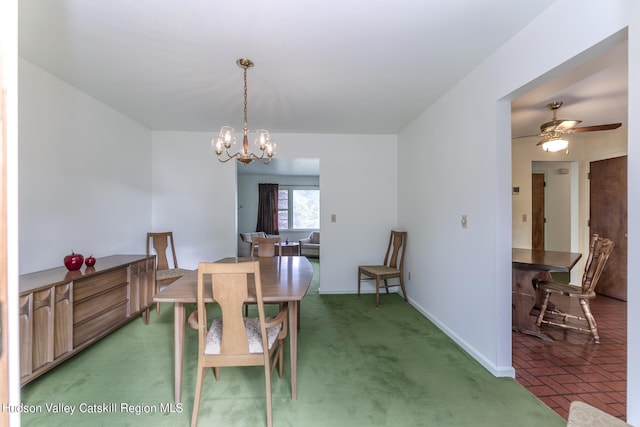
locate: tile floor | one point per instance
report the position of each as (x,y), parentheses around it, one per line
(572,367)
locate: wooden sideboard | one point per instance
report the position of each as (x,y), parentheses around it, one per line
(62,312)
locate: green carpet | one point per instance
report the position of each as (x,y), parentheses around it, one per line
(357,366)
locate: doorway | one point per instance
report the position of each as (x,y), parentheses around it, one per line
(298,172)
(553,204)
(583,149)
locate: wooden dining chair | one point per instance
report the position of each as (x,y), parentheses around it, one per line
(391,268)
(232,339)
(167,270)
(599,251)
(266,246)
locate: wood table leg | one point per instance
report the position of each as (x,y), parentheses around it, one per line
(293,346)
(179,317)
(524,298)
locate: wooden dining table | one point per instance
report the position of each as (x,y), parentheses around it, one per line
(284,279)
(527,265)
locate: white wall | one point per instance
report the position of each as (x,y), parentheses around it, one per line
(84,174)
(200,206)
(455,159)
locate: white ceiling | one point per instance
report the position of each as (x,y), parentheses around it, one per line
(331,66)
(594,91)
(336,66)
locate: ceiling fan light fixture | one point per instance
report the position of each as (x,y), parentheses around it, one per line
(555,144)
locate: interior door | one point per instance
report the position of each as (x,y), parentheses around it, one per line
(608,218)
(537,211)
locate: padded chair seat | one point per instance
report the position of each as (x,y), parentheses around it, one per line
(172,273)
(252,326)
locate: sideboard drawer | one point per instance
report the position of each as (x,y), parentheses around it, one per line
(85,288)
(90,307)
(96,327)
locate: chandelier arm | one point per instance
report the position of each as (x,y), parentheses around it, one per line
(225,160)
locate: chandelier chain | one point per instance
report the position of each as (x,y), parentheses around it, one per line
(245,100)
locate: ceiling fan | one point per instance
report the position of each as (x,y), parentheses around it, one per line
(553,130)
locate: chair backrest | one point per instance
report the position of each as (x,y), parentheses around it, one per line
(266,246)
(396,249)
(162,243)
(230,287)
(599,251)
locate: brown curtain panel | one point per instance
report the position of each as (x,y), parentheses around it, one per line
(268,208)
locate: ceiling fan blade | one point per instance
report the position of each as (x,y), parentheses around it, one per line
(526,136)
(609,126)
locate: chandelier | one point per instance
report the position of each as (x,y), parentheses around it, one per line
(226,138)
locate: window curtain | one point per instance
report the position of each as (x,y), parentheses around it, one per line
(268,209)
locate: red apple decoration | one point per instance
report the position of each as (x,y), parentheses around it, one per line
(73,261)
(90,261)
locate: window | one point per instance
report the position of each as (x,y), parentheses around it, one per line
(298,208)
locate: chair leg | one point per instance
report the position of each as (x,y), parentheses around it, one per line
(359,280)
(590,320)
(267,379)
(377,292)
(196,398)
(404,292)
(386,286)
(157,304)
(543,309)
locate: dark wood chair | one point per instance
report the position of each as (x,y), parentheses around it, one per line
(599,251)
(232,339)
(166,272)
(391,268)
